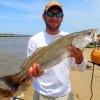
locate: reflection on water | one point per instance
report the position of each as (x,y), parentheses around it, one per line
(12,54)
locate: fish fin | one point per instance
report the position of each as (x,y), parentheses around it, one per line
(37,50)
(56,38)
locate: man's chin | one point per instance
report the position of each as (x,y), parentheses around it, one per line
(53,26)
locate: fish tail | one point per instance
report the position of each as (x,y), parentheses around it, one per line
(12,81)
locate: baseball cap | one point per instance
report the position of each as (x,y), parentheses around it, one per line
(51,4)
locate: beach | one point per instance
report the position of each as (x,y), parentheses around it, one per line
(80,82)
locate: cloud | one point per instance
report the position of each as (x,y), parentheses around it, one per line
(25,10)
(15,17)
(88,15)
(17,5)
(27,6)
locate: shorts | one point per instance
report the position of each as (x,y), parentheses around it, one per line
(38,96)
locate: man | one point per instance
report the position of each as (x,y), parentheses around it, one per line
(53,83)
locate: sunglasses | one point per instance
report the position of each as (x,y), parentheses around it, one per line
(52,14)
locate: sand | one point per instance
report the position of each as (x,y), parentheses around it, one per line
(80,82)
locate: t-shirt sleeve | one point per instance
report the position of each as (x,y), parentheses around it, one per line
(81,66)
(31,47)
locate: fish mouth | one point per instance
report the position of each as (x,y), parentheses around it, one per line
(94,36)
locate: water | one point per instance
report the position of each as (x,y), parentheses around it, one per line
(12,54)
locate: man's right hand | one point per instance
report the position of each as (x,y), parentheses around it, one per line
(35,70)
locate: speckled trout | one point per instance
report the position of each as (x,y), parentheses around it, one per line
(47,57)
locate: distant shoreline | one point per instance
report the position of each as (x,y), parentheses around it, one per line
(13,35)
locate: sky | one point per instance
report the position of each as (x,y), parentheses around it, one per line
(25,16)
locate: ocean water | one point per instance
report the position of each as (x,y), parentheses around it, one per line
(12,54)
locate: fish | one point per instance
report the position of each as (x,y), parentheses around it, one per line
(47,57)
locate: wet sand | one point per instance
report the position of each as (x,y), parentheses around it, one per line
(80,83)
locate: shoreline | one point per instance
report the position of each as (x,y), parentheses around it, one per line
(15,35)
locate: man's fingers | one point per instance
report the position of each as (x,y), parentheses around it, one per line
(35,70)
(74,51)
(30,71)
(34,73)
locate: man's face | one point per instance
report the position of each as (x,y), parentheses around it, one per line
(52,19)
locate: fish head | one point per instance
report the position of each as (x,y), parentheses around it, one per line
(83,38)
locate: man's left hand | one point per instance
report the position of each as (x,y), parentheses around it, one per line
(76,53)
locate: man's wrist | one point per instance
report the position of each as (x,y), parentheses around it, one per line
(78,60)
